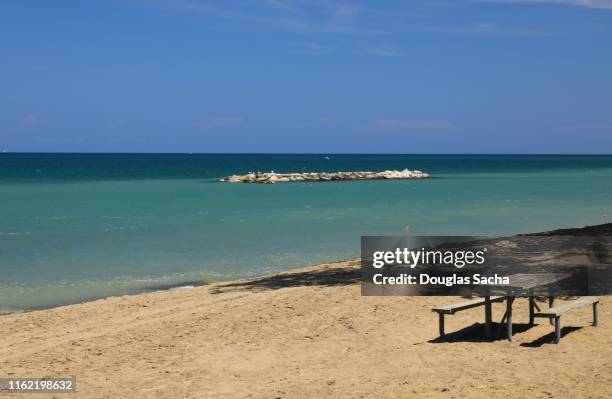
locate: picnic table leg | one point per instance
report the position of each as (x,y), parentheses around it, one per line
(488,316)
(509,301)
(557,329)
(551,303)
(531,308)
(441,323)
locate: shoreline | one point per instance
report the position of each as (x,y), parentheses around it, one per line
(599,229)
(93,298)
(165,288)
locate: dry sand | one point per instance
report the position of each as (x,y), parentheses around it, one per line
(314,338)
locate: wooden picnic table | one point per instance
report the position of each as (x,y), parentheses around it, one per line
(521,284)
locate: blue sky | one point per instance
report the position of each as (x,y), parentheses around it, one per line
(455,76)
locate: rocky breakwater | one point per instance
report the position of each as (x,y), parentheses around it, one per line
(271,177)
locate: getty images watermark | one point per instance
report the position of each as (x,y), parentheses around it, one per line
(411,258)
(450,265)
(37,385)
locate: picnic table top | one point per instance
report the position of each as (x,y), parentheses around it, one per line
(527,281)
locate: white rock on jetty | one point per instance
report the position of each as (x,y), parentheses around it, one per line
(271,177)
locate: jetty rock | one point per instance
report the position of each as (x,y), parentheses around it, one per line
(272,177)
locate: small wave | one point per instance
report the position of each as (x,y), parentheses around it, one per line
(183,287)
(121,228)
(24,233)
(7,312)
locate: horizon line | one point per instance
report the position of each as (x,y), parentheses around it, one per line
(297,153)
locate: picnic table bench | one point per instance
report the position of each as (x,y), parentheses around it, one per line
(457,307)
(557,311)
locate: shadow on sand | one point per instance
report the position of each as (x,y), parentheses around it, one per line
(549,338)
(475,333)
(326,277)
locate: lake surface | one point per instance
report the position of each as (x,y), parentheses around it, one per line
(82,226)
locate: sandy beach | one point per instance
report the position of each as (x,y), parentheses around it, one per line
(291,199)
(301,334)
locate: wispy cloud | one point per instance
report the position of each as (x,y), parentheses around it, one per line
(383,51)
(336,17)
(408,125)
(113,124)
(302,16)
(313,123)
(579,128)
(601,4)
(284,5)
(30,120)
(342,25)
(221,122)
(312,48)
(480,28)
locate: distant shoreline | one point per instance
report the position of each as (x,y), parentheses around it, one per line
(307,153)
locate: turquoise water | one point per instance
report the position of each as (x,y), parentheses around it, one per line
(76,226)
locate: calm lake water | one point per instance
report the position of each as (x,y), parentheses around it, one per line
(82,226)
